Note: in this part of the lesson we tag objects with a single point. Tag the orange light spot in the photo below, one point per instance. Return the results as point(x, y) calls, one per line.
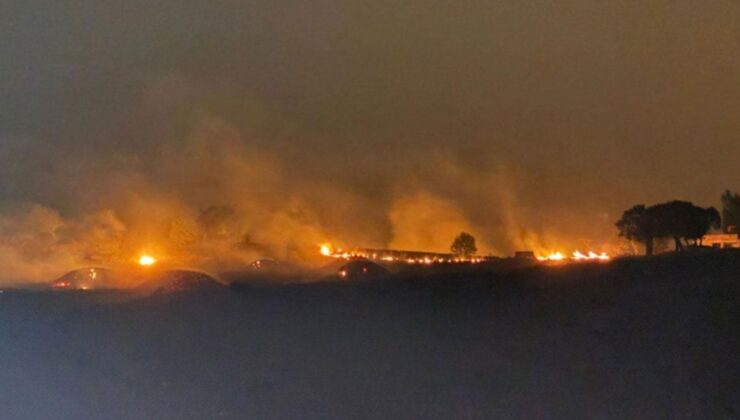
point(327, 250)
point(147, 260)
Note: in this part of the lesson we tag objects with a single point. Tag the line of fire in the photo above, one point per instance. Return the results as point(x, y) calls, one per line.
point(655, 227)
point(421, 257)
point(680, 223)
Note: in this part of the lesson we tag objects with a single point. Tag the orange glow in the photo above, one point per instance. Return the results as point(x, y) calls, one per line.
point(326, 250)
point(591, 256)
point(576, 256)
point(147, 260)
point(555, 256)
point(61, 285)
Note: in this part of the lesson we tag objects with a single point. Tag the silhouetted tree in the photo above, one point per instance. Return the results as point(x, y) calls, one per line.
point(683, 221)
point(464, 245)
point(636, 225)
point(702, 221)
point(670, 220)
point(679, 220)
point(730, 211)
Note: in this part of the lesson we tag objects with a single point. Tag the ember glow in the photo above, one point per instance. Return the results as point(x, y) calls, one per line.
point(576, 256)
point(555, 256)
point(62, 285)
point(147, 260)
point(326, 250)
point(591, 256)
point(397, 256)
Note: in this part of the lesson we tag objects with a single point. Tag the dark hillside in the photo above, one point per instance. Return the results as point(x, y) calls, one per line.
point(642, 338)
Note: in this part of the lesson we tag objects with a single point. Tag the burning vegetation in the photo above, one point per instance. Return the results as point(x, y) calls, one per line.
point(397, 256)
point(575, 256)
point(147, 260)
point(210, 201)
point(428, 258)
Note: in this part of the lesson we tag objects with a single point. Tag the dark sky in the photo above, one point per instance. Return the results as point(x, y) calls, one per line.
point(510, 118)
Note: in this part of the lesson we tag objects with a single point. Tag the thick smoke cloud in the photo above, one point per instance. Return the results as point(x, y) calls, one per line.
point(215, 133)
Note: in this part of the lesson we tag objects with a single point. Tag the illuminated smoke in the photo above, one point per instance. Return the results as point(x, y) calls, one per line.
point(422, 221)
point(262, 129)
point(212, 201)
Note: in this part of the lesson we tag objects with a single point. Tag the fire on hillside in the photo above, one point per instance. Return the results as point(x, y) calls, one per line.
point(576, 256)
point(419, 257)
point(399, 256)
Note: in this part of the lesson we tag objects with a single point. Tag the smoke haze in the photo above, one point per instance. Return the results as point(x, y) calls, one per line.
point(216, 133)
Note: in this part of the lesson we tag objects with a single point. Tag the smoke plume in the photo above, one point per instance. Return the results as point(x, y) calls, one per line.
point(213, 133)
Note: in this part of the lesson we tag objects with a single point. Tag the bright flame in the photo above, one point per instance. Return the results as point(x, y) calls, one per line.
point(591, 256)
point(576, 256)
point(147, 260)
point(555, 256)
point(326, 250)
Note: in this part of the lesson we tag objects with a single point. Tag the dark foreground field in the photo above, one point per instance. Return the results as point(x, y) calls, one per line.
point(646, 339)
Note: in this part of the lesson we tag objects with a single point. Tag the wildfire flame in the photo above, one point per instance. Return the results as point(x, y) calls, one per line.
point(576, 256)
point(329, 250)
point(590, 256)
point(147, 260)
point(555, 256)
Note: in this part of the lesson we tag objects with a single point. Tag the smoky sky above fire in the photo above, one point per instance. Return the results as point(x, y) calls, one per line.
point(232, 130)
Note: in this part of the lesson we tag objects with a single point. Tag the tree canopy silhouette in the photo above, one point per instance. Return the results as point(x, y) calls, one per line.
point(730, 211)
point(464, 245)
point(681, 221)
point(637, 225)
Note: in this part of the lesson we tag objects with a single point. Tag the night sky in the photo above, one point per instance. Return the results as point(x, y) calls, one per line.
point(532, 124)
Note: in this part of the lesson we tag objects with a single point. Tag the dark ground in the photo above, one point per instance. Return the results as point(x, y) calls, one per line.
point(656, 338)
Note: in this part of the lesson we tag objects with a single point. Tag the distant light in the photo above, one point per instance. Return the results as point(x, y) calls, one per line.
point(146, 260)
